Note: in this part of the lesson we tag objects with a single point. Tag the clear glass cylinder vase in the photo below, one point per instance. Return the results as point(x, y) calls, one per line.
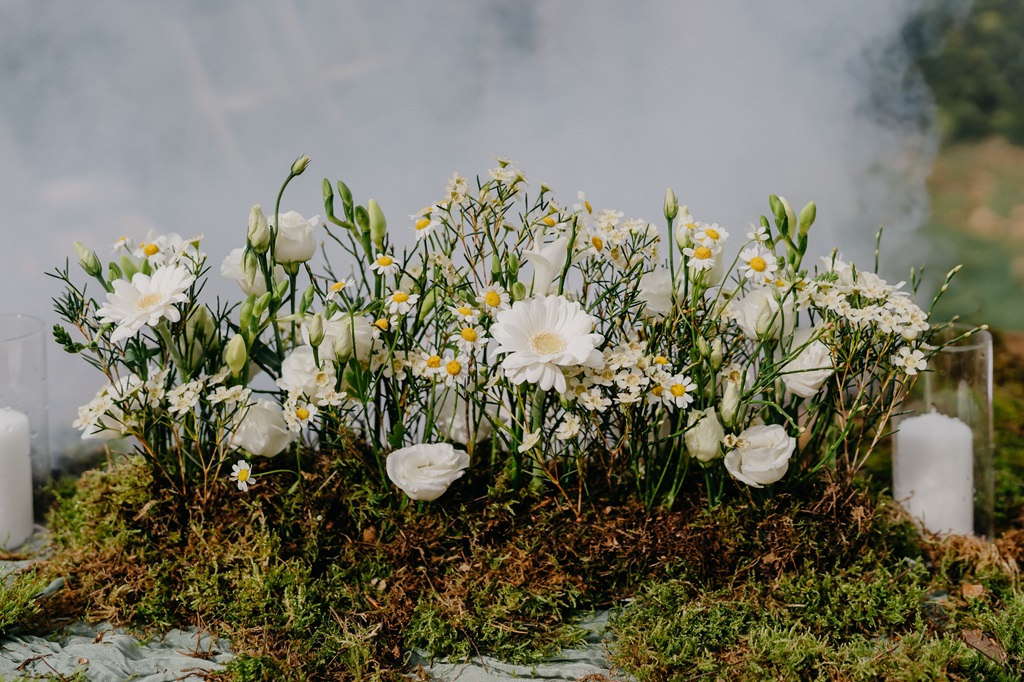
point(24, 406)
point(943, 473)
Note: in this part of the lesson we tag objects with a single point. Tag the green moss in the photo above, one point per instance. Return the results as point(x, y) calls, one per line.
point(18, 599)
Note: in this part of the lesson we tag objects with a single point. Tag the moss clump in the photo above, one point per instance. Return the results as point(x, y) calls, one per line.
point(18, 599)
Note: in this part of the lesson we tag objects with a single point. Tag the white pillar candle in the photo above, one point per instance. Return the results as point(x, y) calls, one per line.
point(15, 479)
point(933, 472)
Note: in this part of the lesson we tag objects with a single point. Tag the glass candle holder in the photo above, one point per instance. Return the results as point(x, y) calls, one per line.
point(24, 405)
point(942, 466)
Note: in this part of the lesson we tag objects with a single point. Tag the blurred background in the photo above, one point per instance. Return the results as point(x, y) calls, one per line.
point(120, 118)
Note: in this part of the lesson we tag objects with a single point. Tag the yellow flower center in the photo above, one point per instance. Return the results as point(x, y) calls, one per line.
point(547, 343)
point(702, 253)
point(422, 223)
point(660, 360)
point(434, 361)
point(385, 261)
point(243, 475)
point(597, 242)
point(678, 390)
point(467, 311)
point(338, 286)
point(123, 239)
point(147, 301)
point(658, 390)
point(382, 324)
point(691, 226)
point(302, 413)
point(492, 298)
point(713, 233)
point(150, 249)
point(399, 297)
point(549, 221)
point(453, 367)
point(758, 264)
point(469, 334)
point(780, 283)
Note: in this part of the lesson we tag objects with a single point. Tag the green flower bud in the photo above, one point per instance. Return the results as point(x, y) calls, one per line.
point(245, 313)
point(716, 354)
point(671, 205)
point(427, 304)
point(307, 299)
point(88, 260)
point(790, 214)
point(235, 355)
point(260, 306)
point(807, 215)
point(281, 289)
point(251, 268)
point(346, 199)
point(513, 266)
point(300, 165)
point(703, 348)
point(128, 267)
point(518, 291)
point(779, 211)
point(315, 326)
point(378, 225)
point(259, 230)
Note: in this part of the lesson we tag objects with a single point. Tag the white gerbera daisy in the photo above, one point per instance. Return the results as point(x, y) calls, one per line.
point(400, 303)
point(384, 265)
point(540, 336)
point(759, 264)
point(145, 300)
point(241, 473)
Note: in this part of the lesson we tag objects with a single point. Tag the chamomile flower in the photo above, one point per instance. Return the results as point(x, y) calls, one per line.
point(912, 361)
point(701, 257)
point(470, 339)
point(429, 364)
point(298, 415)
point(711, 236)
point(582, 204)
point(384, 265)
point(400, 302)
point(758, 264)
point(241, 473)
point(465, 313)
point(424, 226)
point(454, 369)
point(493, 298)
point(126, 243)
point(678, 390)
point(758, 233)
point(336, 288)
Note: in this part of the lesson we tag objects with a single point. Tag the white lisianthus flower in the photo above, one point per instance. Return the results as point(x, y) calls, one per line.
point(295, 241)
point(145, 300)
point(530, 441)
point(262, 431)
point(761, 456)
point(301, 376)
point(656, 292)
point(704, 437)
point(542, 335)
point(425, 471)
point(760, 314)
point(805, 374)
point(548, 263)
point(231, 268)
point(346, 334)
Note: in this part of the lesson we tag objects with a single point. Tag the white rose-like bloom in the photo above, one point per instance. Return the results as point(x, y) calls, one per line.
point(805, 374)
point(760, 314)
point(656, 292)
point(704, 437)
point(300, 375)
point(541, 335)
point(231, 268)
point(761, 456)
point(295, 242)
point(145, 300)
point(345, 333)
point(453, 416)
point(424, 471)
point(548, 263)
point(262, 431)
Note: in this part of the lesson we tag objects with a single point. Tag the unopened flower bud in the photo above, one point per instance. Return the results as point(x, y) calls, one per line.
point(235, 355)
point(260, 306)
point(245, 313)
point(250, 268)
point(807, 215)
point(300, 165)
point(346, 199)
point(378, 225)
point(88, 260)
point(703, 348)
point(518, 291)
point(790, 213)
point(315, 325)
point(128, 267)
point(307, 298)
point(671, 205)
point(115, 272)
point(259, 230)
point(427, 304)
point(281, 289)
point(716, 354)
point(730, 403)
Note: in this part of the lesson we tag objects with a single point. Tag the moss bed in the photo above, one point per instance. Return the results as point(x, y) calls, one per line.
point(328, 580)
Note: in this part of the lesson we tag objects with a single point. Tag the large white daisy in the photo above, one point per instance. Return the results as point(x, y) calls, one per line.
point(539, 336)
point(145, 300)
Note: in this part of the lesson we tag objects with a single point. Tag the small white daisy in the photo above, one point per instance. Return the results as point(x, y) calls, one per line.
point(454, 369)
point(465, 313)
point(470, 339)
point(701, 257)
point(493, 298)
point(429, 365)
point(711, 236)
point(424, 226)
point(757, 233)
point(339, 286)
point(400, 302)
point(384, 265)
point(241, 473)
point(759, 264)
point(678, 390)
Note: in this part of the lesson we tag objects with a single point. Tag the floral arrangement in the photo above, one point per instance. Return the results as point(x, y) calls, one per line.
point(502, 333)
